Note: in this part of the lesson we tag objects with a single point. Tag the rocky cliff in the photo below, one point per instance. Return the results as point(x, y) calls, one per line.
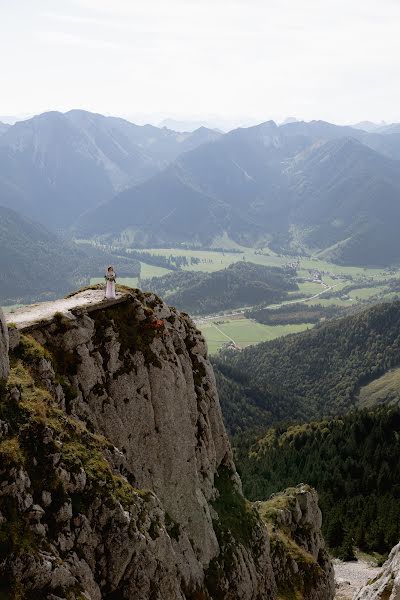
point(4, 363)
point(386, 585)
point(116, 474)
point(300, 562)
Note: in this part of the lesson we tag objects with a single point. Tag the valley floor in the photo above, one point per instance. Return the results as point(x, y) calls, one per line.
point(351, 576)
point(243, 332)
point(320, 283)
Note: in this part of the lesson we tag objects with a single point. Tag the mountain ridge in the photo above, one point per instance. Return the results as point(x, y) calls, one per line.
point(62, 164)
point(91, 175)
point(260, 176)
point(37, 264)
point(309, 375)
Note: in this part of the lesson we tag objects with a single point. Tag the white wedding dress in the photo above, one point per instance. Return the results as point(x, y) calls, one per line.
point(110, 286)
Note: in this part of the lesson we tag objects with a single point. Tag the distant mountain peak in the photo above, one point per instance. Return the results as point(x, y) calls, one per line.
point(368, 126)
point(265, 125)
point(289, 120)
point(55, 166)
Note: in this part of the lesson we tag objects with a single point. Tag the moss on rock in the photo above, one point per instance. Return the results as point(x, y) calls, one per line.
point(302, 567)
point(237, 517)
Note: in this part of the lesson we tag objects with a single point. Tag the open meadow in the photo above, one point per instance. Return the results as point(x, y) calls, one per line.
point(320, 282)
point(243, 332)
point(329, 290)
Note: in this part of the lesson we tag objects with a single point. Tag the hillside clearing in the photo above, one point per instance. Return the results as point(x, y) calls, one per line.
point(244, 332)
point(384, 389)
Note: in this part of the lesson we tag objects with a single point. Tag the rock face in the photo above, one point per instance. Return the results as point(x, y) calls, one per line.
point(4, 365)
point(301, 565)
point(116, 474)
point(386, 585)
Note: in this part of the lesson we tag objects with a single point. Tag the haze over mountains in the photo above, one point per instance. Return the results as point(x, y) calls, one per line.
point(263, 184)
point(55, 166)
point(299, 187)
point(3, 127)
point(37, 264)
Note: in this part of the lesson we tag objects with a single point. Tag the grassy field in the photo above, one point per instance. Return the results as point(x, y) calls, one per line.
point(213, 261)
point(244, 332)
point(384, 389)
point(331, 302)
point(209, 261)
point(309, 288)
point(367, 292)
point(149, 271)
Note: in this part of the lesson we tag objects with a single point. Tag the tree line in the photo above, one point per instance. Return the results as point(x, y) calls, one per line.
point(352, 461)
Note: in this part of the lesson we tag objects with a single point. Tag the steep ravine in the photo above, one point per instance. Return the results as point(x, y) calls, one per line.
point(116, 474)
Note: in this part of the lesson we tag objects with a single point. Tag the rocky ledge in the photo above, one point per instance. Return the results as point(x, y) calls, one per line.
point(386, 584)
point(116, 474)
point(300, 562)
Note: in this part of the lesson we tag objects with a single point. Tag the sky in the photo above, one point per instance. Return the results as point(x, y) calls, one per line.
point(243, 60)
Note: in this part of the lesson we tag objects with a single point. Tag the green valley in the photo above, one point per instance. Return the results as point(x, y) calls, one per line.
point(324, 289)
point(242, 332)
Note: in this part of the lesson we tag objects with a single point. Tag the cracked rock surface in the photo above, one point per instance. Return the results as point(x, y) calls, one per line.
point(116, 474)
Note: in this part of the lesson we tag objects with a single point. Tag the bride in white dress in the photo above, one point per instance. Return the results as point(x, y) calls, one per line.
point(110, 278)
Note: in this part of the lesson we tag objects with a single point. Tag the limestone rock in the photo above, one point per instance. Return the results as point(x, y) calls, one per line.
point(386, 585)
point(130, 472)
point(4, 363)
point(301, 565)
point(14, 337)
point(117, 470)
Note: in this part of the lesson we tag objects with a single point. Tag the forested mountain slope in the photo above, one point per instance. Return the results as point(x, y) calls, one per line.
point(353, 462)
point(37, 264)
point(299, 187)
point(241, 168)
point(241, 284)
point(326, 187)
point(311, 374)
point(348, 194)
point(165, 209)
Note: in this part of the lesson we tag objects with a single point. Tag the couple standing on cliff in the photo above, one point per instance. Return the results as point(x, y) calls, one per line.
point(110, 278)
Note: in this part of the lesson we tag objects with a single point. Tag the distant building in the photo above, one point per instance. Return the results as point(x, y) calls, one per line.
point(231, 346)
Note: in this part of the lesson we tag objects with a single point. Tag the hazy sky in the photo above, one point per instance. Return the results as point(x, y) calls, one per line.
point(337, 60)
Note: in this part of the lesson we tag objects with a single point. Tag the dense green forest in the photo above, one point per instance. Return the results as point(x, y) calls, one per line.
point(294, 313)
point(245, 406)
point(309, 375)
point(353, 462)
point(240, 284)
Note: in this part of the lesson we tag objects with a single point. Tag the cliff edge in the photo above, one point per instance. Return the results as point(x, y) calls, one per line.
point(116, 474)
point(301, 564)
point(4, 362)
point(386, 585)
